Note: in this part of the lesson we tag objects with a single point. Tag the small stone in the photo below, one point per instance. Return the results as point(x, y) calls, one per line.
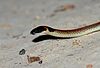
point(19, 63)
point(40, 62)
point(22, 52)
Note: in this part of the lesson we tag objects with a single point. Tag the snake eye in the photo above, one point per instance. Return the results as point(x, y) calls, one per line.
point(38, 29)
point(51, 29)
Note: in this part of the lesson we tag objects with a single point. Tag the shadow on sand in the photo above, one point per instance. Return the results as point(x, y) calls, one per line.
point(47, 37)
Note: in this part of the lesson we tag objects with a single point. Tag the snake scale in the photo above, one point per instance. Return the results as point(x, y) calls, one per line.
point(67, 33)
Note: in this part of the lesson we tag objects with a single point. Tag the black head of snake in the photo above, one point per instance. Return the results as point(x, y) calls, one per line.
point(40, 29)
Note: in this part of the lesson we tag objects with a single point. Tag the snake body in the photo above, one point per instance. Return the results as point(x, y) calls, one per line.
point(67, 33)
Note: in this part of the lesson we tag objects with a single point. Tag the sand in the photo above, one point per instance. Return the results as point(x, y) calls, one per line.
point(19, 17)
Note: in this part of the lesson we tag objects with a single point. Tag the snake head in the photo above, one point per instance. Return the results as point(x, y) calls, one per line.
point(40, 29)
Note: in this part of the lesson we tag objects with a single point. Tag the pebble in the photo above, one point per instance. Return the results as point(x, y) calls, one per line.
point(22, 52)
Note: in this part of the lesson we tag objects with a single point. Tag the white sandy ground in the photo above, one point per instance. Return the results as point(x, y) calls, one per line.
point(18, 18)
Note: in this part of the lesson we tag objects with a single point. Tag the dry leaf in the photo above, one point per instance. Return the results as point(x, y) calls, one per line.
point(33, 59)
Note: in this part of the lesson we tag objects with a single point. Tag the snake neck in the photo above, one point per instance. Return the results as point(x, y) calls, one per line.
point(74, 32)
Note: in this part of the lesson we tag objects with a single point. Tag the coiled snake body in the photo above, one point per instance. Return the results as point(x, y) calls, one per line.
point(67, 33)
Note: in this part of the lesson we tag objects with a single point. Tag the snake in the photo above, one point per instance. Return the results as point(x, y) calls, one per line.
point(70, 33)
